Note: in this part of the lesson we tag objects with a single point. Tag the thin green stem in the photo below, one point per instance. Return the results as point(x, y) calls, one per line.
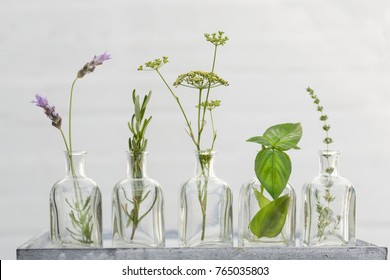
point(199, 121)
point(70, 114)
point(202, 196)
point(63, 137)
point(151, 207)
point(84, 218)
point(214, 59)
point(181, 108)
point(208, 91)
point(71, 167)
point(203, 203)
point(214, 131)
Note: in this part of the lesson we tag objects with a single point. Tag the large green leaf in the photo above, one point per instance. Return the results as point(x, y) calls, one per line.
point(261, 199)
point(261, 140)
point(270, 220)
point(273, 169)
point(284, 136)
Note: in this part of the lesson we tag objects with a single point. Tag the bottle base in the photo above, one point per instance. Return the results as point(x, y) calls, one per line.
point(261, 243)
point(329, 243)
point(137, 244)
point(61, 244)
point(207, 244)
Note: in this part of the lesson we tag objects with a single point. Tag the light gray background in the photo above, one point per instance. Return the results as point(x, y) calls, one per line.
point(276, 49)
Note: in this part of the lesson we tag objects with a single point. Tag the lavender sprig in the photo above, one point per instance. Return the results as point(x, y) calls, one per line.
point(82, 227)
point(50, 112)
point(89, 67)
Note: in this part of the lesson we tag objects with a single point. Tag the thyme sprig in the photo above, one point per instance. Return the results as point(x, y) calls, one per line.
point(325, 214)
point(326, 127)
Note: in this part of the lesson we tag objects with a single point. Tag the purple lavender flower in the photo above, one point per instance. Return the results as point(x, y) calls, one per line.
point(89, 67)
point(49, 110)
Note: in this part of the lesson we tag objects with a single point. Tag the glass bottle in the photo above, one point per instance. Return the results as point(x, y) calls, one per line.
point(329, 204)
point(137, 207)
point(75, 207)
point(249, 207)
point(205, 207)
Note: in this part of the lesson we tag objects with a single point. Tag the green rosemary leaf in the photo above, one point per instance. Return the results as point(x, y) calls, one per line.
point(144, 126)
point(86, 203)
point(133, 95)
point(137, 109)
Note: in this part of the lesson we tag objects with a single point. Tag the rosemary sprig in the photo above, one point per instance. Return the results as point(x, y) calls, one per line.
point(137, 146)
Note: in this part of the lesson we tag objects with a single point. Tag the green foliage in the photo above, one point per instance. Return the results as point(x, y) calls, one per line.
point(133, 216)
point(81, 221)
point(325, 214)
point(282, 136)
point(273, 169)
point(272, 164)
point(138, 124)
point(261, 199)
point(137, 145)
point(270, 219)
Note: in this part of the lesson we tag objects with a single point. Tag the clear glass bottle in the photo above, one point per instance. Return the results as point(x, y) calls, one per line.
point(75, 207)
point(329, 203)
point(205, 207)
point(249, 207)
point(137, 207)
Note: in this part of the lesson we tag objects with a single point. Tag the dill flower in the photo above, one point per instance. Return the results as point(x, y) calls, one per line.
point(200, 80)
point(210, 105)
point(216, 39)
point(154, 64)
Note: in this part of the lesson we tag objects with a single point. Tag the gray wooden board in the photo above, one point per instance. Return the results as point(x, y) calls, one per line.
point(40, 248)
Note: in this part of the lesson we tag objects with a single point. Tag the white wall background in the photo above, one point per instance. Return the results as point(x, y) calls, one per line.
point(341, 48)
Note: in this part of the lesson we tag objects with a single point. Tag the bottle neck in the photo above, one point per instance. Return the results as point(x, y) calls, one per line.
point(329, 162)
point(136, 165)
point(75, 164)
point(204, 163)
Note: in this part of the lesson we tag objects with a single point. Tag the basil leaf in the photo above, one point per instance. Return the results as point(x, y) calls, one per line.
point(261, 199)
point(284, 136)
point(269, 221)
point(273, 169)
point(260, 140)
